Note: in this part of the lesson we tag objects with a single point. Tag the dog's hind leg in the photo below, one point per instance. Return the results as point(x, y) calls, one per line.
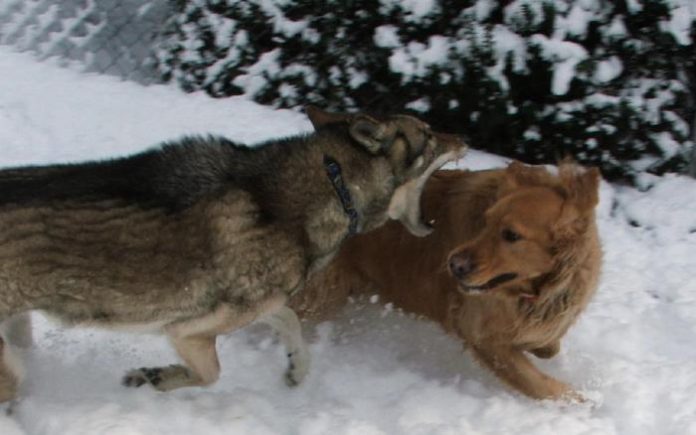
point(202, 366)
point(10, 373)
point(287, 325)
point(18, 330)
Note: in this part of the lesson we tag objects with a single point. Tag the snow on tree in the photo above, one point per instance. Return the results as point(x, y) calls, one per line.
point(608, 82)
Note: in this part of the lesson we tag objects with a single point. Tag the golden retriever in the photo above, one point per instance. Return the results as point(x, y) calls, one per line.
point(514, 258)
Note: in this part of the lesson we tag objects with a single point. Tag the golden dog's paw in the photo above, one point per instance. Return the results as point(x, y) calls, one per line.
point(561, 393)
point(573, 396)
point(586, 399)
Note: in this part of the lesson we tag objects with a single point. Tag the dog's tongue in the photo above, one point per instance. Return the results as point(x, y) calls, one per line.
point(405, 202)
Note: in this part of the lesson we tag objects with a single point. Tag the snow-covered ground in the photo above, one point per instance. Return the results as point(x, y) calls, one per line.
point(375, 370)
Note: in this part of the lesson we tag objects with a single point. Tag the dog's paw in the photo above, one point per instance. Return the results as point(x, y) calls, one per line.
point(139, 377)
point(585, 399)
point(161, 378)
point(291, 378)
point(577, 398)
point(298, 367)
point(8, 408)
point(573, 396)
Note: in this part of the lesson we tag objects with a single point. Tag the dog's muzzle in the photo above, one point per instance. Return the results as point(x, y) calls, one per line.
point(490, 285)
point(461, 266)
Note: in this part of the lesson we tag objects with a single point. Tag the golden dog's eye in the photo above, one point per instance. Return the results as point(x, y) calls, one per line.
point(510, 236)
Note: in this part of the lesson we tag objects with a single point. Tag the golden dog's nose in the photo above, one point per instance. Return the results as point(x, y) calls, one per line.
point(460, 265)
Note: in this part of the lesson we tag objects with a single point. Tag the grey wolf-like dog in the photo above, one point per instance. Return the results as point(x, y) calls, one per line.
point(203, 236)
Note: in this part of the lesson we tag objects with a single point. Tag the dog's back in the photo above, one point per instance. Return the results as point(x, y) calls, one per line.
point(173, 176)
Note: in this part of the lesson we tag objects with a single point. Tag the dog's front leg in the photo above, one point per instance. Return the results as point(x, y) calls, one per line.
point(194, 340)
point(10, 373)
point(202, 366)
point(548, 351)
point(18, 330)
point(287, 325)
point(514, 368)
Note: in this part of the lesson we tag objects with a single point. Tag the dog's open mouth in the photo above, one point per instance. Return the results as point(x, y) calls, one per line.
point(405, 202)
point(490, 285)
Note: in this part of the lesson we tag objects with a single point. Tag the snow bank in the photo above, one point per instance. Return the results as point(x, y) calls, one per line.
point(375, 370)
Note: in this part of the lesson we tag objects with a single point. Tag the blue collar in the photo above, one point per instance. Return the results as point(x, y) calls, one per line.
point(333, 171)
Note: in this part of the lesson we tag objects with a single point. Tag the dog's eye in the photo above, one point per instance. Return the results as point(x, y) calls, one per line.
point(510, 236)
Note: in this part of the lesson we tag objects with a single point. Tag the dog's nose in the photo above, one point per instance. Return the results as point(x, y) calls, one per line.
point(460, 265)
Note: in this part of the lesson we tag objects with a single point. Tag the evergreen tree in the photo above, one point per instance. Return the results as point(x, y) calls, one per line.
point(608, 82)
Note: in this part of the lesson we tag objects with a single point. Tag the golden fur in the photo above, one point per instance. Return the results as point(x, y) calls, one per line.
point(514, 258)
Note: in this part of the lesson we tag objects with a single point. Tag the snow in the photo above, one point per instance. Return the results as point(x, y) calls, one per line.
point(506, 43)
point(514, 11)
point(375, 370)
point(667, 143)
point(482, 9)
point(414, 10)
point(281, 24)
point(608, 69)
point(579, 17)
point(617, 28)
point(682, 13)
point(419, 105)
point(565, 55)
point(228, 35)
point(256, 77)
point(416, 59)
point(634, 6)
point(387, 36)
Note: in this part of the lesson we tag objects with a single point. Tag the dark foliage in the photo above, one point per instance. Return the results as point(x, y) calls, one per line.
point(607, 82)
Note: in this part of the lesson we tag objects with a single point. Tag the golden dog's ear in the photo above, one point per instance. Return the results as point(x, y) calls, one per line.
point(582, 190)
point(321, 118)
point(582, 185)
point(588, 188)
point(518, 174)
point(511, 173)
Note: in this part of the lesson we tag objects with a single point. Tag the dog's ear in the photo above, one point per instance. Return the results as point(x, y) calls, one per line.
point(588, 188)
point(582, 185)
point(582, 190)
point(370, 133)
point(321, 118)
point(518, 174)
point(513, 173)
point(413, 129)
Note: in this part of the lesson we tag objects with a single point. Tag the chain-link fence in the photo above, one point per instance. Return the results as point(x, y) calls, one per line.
point(107, 36)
